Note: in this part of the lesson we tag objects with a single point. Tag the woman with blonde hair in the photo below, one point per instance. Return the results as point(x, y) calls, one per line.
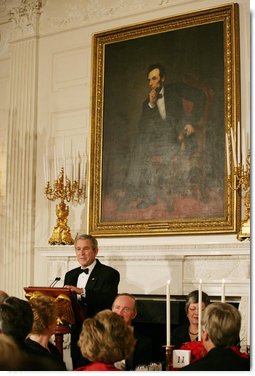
point(45, 316)
point(104, 340)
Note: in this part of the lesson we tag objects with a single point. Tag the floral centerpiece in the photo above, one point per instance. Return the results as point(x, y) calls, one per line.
point(198, 350)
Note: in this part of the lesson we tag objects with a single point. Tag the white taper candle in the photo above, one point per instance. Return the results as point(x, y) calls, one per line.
point(233, 147)
point(227, 151)
point(55, 163)
point(238, 143)
point(244, 152)
point(223, 291)
point(249, 318)
point(44, 169)
point(199, 309)
point(168, 313)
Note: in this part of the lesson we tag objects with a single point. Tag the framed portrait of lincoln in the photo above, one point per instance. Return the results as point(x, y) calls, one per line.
point(164, 94)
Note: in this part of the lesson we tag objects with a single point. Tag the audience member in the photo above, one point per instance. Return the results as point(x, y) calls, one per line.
point(16, 320)
point(125, 306)
point(220, 330)
point(104, 340)
point(3, 295)
point(45, 315)
point(11, 357)
point(189, 330)
point(94, 284)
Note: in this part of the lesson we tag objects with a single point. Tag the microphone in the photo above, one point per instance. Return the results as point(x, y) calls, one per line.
point(55, 281)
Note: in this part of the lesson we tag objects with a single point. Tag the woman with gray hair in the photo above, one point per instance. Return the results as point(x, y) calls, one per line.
point(221, 325)
point(189, 330)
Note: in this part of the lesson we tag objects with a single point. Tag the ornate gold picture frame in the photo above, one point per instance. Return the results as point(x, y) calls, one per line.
point(162, 170)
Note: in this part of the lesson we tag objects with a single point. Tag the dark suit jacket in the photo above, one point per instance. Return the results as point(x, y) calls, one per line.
point(178, 114)
point(219, 359)
point(142, 353)
point(101, 289)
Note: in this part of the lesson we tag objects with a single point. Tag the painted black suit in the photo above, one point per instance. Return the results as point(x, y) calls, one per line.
point(101, 289)
point(157, 142)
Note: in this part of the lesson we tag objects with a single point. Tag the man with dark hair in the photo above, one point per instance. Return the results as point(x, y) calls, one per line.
point(16, 319)
point(94, 284)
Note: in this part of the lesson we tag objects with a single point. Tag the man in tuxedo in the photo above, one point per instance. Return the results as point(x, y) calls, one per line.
point(94, 284)
point(221, 325)
point(125, 306)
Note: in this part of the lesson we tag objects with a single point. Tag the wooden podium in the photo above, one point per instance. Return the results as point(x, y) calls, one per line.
point(69, 310)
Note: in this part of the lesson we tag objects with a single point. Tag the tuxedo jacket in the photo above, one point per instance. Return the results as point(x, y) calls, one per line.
point(101, 288)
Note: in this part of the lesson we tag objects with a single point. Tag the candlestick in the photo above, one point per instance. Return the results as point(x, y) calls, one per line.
point(223, 291)
point(199, 309)
point(233, 147)
point(168, 323)
point(228, 160)
point(65, 190)
point(238, 143)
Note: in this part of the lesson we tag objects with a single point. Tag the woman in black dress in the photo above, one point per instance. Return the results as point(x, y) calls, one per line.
point(188, 331)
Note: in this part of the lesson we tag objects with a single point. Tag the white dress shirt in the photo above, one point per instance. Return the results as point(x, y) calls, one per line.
point(161, 104)
point(83, 279)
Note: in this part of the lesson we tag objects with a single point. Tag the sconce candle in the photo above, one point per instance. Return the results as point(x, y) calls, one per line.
point(228, 160)
point(244, 152)
point(233, 147)
point(238, 143)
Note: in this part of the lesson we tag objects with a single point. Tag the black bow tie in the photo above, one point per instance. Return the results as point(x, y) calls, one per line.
point(86, 271)
point(159, 95)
